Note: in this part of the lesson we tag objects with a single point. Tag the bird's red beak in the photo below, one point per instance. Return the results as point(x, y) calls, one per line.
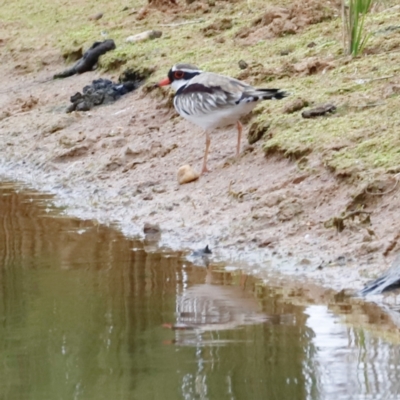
point(164, 82)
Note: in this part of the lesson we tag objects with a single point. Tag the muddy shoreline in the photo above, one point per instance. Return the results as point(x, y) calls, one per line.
point(117, 164)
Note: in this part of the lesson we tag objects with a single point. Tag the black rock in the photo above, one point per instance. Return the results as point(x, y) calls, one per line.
point(101, 91)
point(89, 60)
point(319, 111)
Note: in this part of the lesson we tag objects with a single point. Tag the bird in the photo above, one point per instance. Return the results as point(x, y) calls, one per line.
point(211, 100)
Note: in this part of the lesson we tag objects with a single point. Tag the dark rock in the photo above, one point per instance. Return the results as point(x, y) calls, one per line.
point(319, 111)
point(89, 60)
point(82, 106)
point(243, 64)
point(76, 97)
point(101, 91)
point(70, 108)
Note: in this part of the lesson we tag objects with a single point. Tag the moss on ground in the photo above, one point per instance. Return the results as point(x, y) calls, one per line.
point(365, 130)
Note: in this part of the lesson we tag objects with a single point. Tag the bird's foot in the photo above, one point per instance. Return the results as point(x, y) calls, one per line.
point(204, 170)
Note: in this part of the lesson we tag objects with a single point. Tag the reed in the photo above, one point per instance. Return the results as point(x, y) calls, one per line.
point(353, 15)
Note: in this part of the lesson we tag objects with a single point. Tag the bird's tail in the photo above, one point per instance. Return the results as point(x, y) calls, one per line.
point(262, 94)
point(277, 94)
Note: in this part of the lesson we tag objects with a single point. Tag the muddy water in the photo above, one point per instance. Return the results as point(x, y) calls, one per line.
point(88, 314)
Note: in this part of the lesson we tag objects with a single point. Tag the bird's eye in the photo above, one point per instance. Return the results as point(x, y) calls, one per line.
point(178, 74)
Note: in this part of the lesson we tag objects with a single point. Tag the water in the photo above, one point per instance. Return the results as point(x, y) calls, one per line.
point(88, 314)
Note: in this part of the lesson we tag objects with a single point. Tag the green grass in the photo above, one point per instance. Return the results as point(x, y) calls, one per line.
point(353, 25)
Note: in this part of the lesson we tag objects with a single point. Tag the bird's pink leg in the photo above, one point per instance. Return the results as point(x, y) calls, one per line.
point(208, 141)
point(239, 128)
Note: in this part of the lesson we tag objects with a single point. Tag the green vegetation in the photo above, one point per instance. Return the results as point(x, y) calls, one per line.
point(353, 25)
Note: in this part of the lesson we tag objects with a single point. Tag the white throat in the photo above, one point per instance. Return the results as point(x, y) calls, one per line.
point(178, 84)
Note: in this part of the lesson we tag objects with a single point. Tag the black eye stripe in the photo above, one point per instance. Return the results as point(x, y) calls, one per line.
point(173, 75)
point(189, 75)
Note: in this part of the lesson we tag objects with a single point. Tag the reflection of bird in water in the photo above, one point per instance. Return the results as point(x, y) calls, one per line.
point(211, 307)
point(201, 257)
point(203, 252)
point(152, 236)
point(390, 280)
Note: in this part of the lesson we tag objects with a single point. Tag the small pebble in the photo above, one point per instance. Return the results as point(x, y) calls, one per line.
point(96, 17)
point(147, 35)
point(243, 64)
point(186, 174)
point(319, 111)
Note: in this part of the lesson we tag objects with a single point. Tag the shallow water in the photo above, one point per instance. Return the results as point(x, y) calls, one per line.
point(88, 314)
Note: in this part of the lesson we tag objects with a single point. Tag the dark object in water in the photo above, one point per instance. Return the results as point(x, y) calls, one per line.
point(101, 91)
point(201, 257)
point(89, 60)
point(151, 229)
point(390, 280)
point(207, 250)
point(318, 111)
point(202, 253)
